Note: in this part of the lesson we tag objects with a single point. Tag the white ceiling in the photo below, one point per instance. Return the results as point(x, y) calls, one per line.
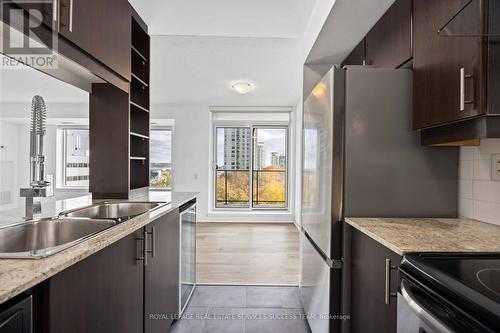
point(21, 83)
point(200, 70)
point(200, 47)
point(348, 22)
point(226, 18)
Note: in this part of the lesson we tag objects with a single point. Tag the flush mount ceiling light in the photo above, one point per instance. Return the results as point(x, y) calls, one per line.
point(242, 87)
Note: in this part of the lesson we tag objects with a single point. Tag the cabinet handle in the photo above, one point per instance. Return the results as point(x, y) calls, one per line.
point(388, 270)
point(54, 11)
point(144, 240)
point(463, 76)
point(153, 242)
point(71, 15)
point(153, 236)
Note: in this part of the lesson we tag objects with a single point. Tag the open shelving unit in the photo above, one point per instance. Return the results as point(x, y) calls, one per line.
point(139, 109)
point(119, 126)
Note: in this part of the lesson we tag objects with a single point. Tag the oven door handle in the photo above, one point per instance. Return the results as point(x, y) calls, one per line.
point(419, 310)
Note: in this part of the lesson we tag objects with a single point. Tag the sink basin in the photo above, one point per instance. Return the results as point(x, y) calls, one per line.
point(118, 211)
point(41, 238)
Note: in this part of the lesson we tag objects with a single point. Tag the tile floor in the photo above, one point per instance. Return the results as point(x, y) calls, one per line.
point(243, 309)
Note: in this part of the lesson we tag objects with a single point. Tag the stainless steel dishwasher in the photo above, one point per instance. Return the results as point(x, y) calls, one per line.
point(187, 220)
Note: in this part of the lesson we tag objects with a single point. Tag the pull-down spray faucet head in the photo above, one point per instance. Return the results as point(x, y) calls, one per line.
point(37, 132)
point(38, 184)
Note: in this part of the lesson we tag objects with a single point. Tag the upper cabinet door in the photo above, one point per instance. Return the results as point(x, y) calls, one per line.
point(101, 28)
point(448, 71)
point(357, 56)
point(389, 42)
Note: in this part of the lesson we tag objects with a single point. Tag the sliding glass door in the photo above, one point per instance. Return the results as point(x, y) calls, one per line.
point(251, 167)
point(233, 167)
point(269, 167)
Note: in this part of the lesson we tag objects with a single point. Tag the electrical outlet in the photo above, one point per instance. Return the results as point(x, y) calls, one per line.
point(495, 167)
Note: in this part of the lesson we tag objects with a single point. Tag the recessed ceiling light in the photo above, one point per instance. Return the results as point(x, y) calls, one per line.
point(243, 87)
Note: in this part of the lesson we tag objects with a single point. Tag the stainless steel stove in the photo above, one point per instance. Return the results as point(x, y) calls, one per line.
point(449, 292)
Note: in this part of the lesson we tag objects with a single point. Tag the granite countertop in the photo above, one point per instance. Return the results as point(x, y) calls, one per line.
point(18, 275)
point(406, 235)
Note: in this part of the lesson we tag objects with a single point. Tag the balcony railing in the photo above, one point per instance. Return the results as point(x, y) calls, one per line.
point(160, 178)
point(268, 189)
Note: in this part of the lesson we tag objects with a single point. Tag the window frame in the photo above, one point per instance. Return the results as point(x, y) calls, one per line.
point(163, 128)
point(62, 145)
point(251, 126)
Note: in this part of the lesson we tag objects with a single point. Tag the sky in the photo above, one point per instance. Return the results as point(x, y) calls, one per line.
point(161, 146)
point(274, 141)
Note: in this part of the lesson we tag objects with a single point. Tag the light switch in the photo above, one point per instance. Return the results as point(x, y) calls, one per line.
point(495, 167)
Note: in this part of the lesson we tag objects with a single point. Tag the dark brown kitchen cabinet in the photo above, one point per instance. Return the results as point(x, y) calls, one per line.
point(161, 273)
point(449, 78)
point(16, 315)
point(357, 56)
point(103, 293)
point(389, 42)
point(44, 9)
point(369, 309)
point(101, 28)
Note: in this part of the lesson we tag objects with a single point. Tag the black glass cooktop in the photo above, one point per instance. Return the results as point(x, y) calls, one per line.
point(471, 280)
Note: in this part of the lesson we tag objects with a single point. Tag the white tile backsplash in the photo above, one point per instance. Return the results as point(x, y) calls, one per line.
point(466, 170)
point(465, 187)
point(482, 170)
point(479, 195)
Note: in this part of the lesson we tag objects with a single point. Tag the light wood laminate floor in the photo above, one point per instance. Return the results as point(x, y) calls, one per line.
point(247, 253)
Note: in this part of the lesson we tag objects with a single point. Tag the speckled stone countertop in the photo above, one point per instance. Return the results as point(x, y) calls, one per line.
point(18, 275)
point(404, 235)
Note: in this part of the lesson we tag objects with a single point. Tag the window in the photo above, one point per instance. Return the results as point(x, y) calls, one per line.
point(161, 159)
point(251, 167)
point(75, 170)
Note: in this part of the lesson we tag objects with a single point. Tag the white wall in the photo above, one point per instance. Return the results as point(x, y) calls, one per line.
point(190, 151)
point(9, 162)
point(479, 195)
point(192, 162)
point(15, 139)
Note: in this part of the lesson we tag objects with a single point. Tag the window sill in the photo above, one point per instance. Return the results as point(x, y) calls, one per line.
point(74, 188)
point(267, 216)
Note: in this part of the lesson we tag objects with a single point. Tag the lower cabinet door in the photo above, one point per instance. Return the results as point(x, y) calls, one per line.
point(101, 294)
point(161, 273)
point(371, 308)
point(16, 317)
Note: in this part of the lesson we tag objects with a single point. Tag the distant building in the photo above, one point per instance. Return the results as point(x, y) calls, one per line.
point(278, 160)
point(282, 161)
point(259, 161)
point(236, 149)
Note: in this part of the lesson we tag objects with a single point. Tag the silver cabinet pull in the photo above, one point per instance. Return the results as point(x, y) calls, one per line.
point(71, 15)
point(153, 242)
point(144, 240)
point(388, 269)
point(153, 236)
point(463, 76)
point(54, 10)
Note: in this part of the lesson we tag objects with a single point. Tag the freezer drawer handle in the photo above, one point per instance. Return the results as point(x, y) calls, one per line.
point(388, 269)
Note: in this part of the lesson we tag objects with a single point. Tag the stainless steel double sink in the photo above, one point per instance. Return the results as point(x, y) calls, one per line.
point(41, 238)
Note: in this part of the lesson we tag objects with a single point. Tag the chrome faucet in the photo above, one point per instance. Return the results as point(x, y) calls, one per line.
point(38, 184)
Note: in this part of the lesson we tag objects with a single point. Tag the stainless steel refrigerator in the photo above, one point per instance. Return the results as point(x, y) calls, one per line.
point(361, 158)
